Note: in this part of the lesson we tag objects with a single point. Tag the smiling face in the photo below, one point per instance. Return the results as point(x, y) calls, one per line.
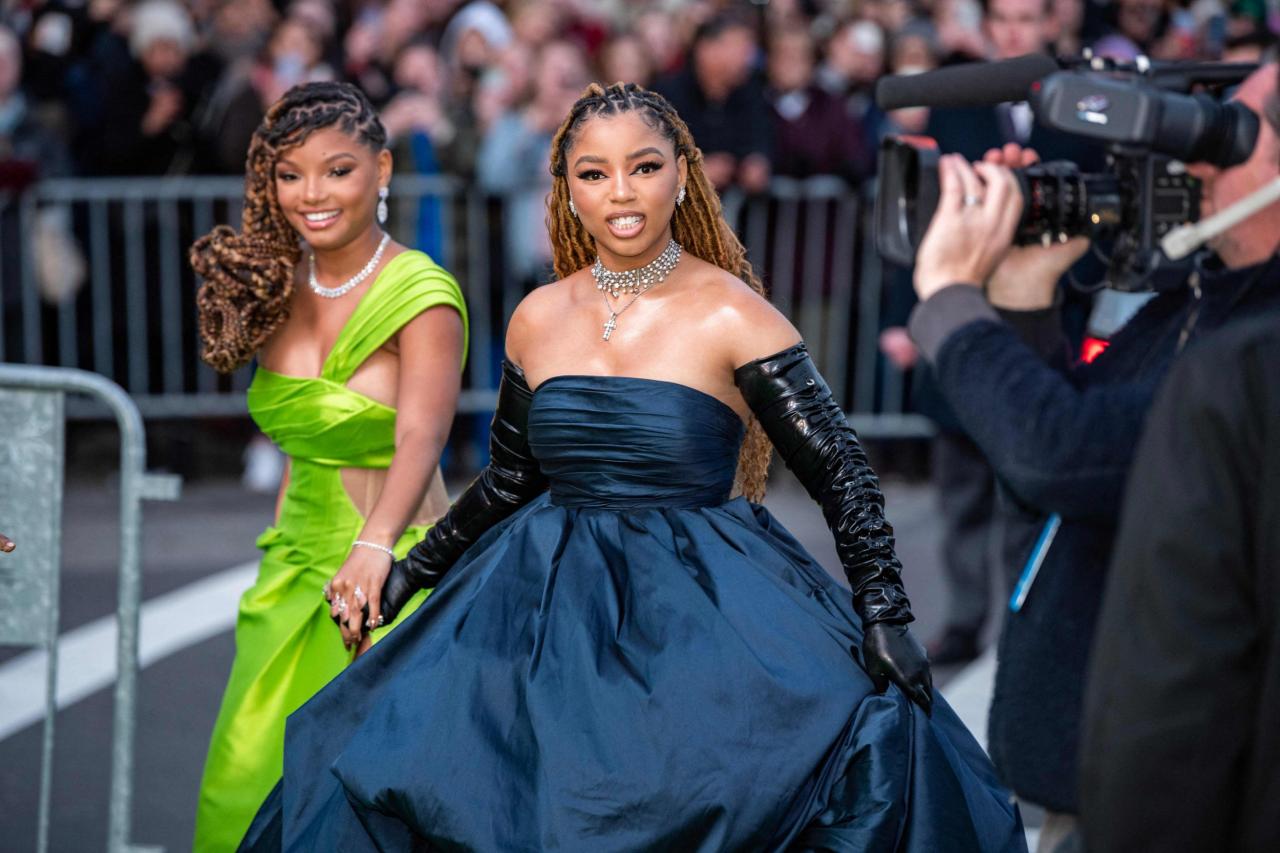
point(623, 178)
point(327, 187)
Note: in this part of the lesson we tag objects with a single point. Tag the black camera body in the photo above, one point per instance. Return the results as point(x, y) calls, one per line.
point(1149, 133)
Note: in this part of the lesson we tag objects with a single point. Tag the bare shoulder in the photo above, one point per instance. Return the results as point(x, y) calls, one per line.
point(743, 324)
point(536, 314)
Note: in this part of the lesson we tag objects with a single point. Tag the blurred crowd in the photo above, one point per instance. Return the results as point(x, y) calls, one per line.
point(474, 88)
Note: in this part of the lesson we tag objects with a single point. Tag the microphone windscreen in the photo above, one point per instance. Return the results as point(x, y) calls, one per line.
point(973, 84)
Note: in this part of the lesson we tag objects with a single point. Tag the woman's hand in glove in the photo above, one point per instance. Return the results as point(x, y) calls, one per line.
point(891, 653)
point(397, 589)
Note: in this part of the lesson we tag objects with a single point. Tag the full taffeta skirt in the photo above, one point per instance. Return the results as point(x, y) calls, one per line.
point(600, 678)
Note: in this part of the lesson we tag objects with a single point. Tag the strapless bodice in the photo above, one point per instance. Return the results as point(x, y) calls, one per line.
point(620, 441)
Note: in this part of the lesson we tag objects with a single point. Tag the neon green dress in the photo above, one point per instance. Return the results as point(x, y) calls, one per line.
point(287, 648)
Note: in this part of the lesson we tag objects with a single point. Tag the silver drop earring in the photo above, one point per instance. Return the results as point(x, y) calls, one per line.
point(680, 196)
point(383, 192)
point(573, 208)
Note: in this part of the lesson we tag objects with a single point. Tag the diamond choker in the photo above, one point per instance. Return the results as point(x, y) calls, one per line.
point(638, 280)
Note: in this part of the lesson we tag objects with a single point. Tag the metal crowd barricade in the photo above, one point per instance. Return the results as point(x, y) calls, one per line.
point(134, 319)
point(811, 241)
point(32, 415)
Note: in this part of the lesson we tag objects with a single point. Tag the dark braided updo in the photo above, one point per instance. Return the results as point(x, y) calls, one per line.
point(698, 224)
point(248, 277)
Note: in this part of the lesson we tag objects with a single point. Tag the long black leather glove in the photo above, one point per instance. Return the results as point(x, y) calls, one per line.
point(814, 439)
point(510, 480)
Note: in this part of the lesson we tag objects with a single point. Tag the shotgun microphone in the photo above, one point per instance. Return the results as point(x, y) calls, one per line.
point(972, 84)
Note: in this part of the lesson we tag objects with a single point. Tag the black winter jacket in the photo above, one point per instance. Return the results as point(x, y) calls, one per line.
point(1181, 748)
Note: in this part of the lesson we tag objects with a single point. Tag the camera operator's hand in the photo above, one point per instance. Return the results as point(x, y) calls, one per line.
point(971, 232)
point(1027, 278)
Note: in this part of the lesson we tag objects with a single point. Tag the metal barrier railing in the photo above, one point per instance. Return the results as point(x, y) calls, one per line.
point(31, 476)
point(134, 319)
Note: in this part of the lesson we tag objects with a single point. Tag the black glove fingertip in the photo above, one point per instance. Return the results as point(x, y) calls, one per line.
point(924, 700)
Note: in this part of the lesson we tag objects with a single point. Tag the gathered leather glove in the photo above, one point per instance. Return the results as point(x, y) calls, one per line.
point(813, 437)
point(510, 480)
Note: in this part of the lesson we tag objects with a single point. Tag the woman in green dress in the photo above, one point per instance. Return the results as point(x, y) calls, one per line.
point(360, 344)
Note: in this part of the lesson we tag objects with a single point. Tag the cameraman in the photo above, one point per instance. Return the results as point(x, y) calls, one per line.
point(1059, 434)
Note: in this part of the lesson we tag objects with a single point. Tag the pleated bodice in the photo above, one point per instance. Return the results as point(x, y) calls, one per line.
point(620, 442)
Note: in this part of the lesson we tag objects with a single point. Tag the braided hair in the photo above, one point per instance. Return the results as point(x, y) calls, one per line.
point(248, 277)
point(698, 224)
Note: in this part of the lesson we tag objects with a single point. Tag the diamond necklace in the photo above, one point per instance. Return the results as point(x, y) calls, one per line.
point(344, 288)
point(612, 322)
point(640, 279)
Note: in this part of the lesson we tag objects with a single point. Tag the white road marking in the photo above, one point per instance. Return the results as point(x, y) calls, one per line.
point(87, 655)
point(207, 607)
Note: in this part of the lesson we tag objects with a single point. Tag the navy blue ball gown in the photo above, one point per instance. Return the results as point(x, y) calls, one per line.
point(630, 662)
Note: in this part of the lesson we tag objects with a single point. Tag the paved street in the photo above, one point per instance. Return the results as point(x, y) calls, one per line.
point(198, 555)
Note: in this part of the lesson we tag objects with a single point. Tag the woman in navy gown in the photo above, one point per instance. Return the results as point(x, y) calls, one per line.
point(619, 654)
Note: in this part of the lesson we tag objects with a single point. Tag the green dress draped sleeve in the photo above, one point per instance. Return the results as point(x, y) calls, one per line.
point(287, 648)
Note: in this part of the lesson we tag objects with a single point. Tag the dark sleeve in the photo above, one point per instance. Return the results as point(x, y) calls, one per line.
point(1058, 447)
point(955, 306)
point(1171, 701)
point(935, 320)
point(1042, 331)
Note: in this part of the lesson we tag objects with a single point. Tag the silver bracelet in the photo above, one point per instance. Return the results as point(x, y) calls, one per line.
point(374, 545)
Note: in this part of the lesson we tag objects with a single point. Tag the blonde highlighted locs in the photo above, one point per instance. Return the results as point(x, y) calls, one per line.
point(247, 278)
point(698, 224)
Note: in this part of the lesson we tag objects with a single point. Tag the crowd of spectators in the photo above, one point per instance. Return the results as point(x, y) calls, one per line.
point(474, 88)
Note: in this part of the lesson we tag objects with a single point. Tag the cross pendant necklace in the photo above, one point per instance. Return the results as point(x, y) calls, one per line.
point(612, 322)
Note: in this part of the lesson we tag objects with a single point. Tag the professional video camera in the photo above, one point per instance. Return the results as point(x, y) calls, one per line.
point(1142, 112)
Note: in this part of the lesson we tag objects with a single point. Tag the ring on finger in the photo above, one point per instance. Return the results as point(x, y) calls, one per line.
point(971, 200)
point(342, 605)
point(359, 593)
